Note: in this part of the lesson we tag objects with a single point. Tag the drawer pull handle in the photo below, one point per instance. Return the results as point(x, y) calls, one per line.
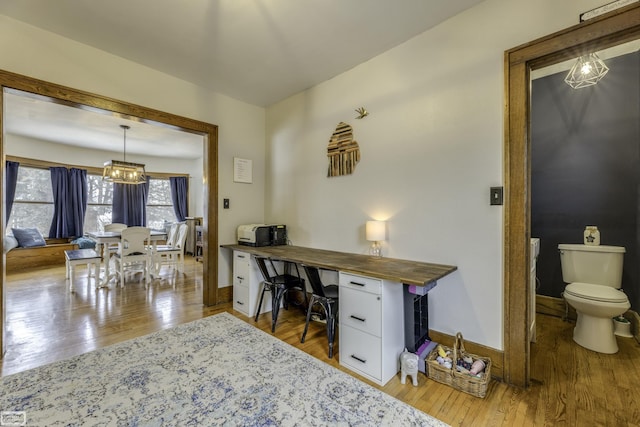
point(240, 302)
point(358, 359)
point(358, 318)
point(358, 284)
point(240, 256)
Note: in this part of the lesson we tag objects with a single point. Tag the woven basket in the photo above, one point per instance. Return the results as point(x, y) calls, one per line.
point(476, 386)
point(437, 372)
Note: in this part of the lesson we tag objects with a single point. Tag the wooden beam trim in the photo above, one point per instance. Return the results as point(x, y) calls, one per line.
point(44, 164)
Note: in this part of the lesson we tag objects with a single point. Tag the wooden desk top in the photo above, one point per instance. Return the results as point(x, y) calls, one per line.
point(397, 270)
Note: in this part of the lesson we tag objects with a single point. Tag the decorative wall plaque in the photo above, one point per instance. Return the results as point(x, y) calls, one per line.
point(343, 152)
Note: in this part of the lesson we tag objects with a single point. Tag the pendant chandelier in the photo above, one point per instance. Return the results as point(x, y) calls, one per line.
point(123, 172)
point(587, 71)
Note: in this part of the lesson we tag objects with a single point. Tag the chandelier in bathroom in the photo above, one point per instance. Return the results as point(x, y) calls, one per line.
point(587, 71)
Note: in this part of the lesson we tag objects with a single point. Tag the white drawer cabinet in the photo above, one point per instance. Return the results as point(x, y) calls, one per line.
point(371, 326)
point(361, 310)
point(361, 352)
point(247, 285)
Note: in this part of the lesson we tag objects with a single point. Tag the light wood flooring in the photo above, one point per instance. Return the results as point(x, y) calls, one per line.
point(572, 386)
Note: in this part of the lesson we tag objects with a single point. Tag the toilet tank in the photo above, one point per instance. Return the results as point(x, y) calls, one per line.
point(600, 265)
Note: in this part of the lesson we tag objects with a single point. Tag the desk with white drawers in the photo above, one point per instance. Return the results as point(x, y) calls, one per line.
point(371, 312)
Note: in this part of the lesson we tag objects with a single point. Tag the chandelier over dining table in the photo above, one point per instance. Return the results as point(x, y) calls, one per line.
point(123, 172)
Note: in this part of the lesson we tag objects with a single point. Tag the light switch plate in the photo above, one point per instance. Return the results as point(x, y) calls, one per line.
point(496, 195)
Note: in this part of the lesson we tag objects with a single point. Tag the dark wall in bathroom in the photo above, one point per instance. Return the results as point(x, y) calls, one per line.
point(585, 168)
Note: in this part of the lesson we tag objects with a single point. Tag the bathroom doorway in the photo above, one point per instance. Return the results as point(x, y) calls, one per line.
point(585, 164)
point(615, 28)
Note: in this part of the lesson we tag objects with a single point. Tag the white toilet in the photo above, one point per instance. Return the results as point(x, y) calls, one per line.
point(594, 277)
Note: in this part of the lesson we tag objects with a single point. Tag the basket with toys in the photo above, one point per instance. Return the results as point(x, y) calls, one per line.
point(456, 367)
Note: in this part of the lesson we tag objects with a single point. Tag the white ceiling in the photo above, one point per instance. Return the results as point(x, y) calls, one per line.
point(257, 51)
point(33, 117)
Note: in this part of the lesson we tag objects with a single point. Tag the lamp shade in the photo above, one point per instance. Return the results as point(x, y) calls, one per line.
point(375, 231)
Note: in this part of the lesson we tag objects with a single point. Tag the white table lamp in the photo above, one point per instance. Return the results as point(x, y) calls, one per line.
point(375, 232)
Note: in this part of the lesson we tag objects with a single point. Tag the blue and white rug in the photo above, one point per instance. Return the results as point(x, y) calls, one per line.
point(215, 371)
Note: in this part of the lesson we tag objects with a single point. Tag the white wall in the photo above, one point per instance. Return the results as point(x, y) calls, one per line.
point(430, 150)
point(30, 51)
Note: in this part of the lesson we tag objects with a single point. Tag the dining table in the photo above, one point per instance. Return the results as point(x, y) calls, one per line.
point(104, 238)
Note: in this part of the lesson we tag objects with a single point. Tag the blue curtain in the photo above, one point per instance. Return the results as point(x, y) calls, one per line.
point(60, 186)
point(79, 199)
point(130, 204)
point(11, 179)
point(179, 189)
point(69, 202)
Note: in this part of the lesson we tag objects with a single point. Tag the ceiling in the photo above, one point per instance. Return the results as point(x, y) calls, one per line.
point(256, 51)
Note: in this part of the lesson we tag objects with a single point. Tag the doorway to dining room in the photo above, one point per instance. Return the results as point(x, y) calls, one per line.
point(208, 132)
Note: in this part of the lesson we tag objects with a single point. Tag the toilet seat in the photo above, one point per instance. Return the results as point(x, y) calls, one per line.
point(596, 292)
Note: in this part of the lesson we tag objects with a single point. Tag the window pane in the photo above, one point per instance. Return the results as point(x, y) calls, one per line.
point(159, 192)
point(99, 191)
point(96, 217)
point(158, 216)
point(99, 198)
point(34, 185)
point(159, 204)
point(30, 215)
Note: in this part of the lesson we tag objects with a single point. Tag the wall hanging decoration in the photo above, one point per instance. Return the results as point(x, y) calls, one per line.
point(362, 113)
point(343, 151)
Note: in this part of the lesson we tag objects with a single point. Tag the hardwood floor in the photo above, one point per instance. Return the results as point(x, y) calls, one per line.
point(572, 386)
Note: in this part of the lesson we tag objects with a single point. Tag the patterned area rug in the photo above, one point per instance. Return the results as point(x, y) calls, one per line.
point(215, 371)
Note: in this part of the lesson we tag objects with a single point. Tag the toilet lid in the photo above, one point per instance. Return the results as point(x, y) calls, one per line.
point(596, 292)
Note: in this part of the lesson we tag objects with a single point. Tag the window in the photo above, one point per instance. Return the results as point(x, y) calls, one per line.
point(159, 204)
point(99, 200)
point(99, 206)
point(33, 203)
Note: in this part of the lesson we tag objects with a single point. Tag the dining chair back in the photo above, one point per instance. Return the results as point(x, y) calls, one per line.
point(134, 253)
point(172, 254)
point(117, 227)
point(172, 234)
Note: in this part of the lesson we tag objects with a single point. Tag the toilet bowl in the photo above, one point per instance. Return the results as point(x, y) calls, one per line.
point(596, 306)
point(594, 277)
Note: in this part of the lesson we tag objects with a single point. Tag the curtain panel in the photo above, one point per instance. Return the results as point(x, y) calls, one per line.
point(69, 202)
point(11, 179)
point(130, 204)
point(179, 190)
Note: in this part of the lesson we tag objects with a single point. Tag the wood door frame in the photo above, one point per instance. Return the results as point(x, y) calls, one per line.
point(77, 98)
point(616, 27)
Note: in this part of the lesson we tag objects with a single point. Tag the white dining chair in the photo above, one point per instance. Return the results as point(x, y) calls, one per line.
point(172, 255)
point(117, 227)
point(134, 253)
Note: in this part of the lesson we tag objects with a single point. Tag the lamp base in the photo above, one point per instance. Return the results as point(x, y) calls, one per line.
point(375, 249)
